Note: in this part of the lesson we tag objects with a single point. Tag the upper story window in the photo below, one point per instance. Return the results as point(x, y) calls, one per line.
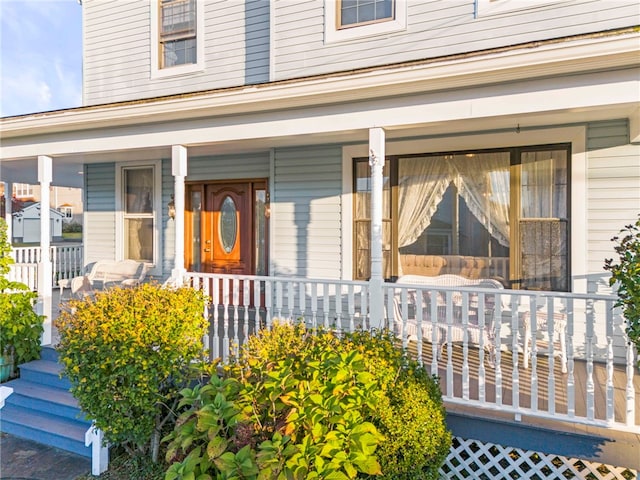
point(22, 190)
point(178, 32)
point(66, 210)
point(177, 37)
point(355, 19)
point(359, 12)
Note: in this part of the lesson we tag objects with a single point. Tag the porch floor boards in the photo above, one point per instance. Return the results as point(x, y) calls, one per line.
point(524, 381)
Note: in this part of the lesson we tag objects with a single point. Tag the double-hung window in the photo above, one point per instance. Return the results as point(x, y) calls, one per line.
point(138, 213)
point(360, 12)
point(500, 214)
point(347, 20)
point(178, 33)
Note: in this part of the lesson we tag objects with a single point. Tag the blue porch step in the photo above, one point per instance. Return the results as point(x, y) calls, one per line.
point(42, 409)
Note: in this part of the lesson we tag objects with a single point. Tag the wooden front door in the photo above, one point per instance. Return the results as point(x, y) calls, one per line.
point(226, 227)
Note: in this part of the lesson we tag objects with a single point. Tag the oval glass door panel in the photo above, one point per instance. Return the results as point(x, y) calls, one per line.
point(228, 227)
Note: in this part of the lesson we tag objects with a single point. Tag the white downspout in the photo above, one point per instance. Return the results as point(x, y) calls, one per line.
point(179, 172)
point(45, 280)
point(376, 161)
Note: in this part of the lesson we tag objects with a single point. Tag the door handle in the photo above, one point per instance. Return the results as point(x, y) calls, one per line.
point(207, 249)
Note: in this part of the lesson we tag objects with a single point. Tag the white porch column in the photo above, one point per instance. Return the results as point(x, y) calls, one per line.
point(45, 286)
point(179, 172)
point(8, 196)
point(376, 161)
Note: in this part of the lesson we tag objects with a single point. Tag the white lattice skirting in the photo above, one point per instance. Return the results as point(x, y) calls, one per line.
point(471, 459)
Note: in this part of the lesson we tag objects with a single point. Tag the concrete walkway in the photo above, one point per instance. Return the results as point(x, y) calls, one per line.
point(25, 460)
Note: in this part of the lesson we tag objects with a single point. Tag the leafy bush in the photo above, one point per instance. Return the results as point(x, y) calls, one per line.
point(20, 325)
point(72, 227)
point(299, 404)
point(128, 353)
point(626, 276)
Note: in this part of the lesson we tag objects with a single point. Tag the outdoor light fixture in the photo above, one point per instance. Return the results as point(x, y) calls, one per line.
point(171, 208)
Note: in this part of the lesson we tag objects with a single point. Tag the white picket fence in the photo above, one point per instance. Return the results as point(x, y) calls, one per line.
point(67, 262)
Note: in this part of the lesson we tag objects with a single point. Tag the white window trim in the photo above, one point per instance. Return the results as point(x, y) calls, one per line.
point(576, 136)
point(332, 34)
point(497, 7)
point(156, 71)
point(155, 267)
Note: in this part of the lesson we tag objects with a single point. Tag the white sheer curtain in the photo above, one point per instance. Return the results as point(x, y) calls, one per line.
point(483, 183)
point(544, 184)
point(422, 182)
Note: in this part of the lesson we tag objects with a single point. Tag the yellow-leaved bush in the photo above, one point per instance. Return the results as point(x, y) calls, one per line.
point(303, 404)
point(128, 352)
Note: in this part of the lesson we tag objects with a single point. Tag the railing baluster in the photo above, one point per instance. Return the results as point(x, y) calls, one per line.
point(268, 300)
point(449, 315)
point(302, 300)
point(498, 354)
point(590, 391)
point(515, 373)
point(481, 347)
point(351, 309)
point(630, 410)
point(226, 301)
point(436, 333)
point(314, 305)
point(419, 320)
point(291, 301)
point(404, 315)
point(216, 317)
point(533, 329)
point(326, 307)
point(338, 295)
point(279, 299)
point(246, 302)
point(551, 377)
point(364, 307)
point(465, 345)
point(571, 388)
point(609, 387)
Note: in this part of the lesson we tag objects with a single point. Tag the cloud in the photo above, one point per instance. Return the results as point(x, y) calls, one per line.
point(40, 55)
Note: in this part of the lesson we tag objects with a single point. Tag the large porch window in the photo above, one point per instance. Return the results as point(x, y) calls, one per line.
point(499, 214)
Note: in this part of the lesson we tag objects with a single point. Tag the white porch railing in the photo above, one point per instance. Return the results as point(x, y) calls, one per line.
point(67, 262)
point(597, 388)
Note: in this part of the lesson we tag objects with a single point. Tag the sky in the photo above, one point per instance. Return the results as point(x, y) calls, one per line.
point(40, 56)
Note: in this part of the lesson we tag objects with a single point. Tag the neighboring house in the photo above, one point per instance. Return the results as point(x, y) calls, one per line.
point(348, 141)
point(26, 224)
point(66, 200)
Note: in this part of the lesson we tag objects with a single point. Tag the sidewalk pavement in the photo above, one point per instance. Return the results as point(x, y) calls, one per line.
point(26, 460)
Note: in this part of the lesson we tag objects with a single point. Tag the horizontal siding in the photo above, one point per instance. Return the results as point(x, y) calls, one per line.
point(434, 28)
point(117, 50)
point(99, 216)
point(613, 193)
point(227, 167)
point(306, 205)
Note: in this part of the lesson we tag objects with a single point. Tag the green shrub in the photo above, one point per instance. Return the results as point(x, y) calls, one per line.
point(20, 326)
point(626, 276)
point(72, 227)
point(128, 353)
point(299, 404)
